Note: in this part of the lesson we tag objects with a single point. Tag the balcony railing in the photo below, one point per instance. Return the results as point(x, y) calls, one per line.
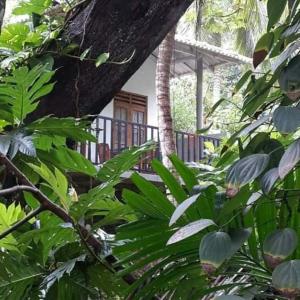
point(114, 135)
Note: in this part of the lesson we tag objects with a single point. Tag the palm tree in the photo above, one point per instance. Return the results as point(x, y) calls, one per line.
point(165, 122)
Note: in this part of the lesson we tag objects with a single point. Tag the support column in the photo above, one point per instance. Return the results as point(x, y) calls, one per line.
point(199, 92)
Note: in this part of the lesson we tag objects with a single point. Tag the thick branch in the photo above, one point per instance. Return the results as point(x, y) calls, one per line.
point(28, 217)
point(120, 28)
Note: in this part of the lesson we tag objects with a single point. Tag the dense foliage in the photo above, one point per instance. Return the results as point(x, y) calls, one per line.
point(240, 218)
point(226, 231)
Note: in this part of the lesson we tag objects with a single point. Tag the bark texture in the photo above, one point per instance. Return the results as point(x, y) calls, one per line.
point(165, 122)
point(115, 26)
point(2, 12)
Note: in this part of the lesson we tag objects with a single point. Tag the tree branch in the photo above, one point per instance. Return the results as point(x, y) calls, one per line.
point(18, 188)
point(28, 217)
point(47, 204)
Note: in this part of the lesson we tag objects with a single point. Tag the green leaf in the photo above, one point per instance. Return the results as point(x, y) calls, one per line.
point(215, 107)
point(69, 160)
point(269, 179)
point(204, 129)
point(65, 127)
point(185, 172)
point(142, 205)
point(101, 59)
point(18, 278)
point(5, 141)
point(182, 207)
point(65, 268)
point(289, 77)
point(242, 81)
point(254, 125)
point(85, 53)
point(57, 182)
point(229, 297)
point(23, 88)
point(169, 180)
point(263, 48)
point(289, 159)
point(275, 11)
point(21, 143)
point(8, 216)
point(154, 195)
point(33, 6)
point(286, 119)
point(190, 230)
point(247, 169)
point(238, 238)
point(115, 167)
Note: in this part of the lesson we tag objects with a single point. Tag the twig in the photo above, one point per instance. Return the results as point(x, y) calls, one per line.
point(28, 217)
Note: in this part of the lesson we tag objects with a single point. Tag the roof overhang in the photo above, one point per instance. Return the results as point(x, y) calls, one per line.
point(186, 51)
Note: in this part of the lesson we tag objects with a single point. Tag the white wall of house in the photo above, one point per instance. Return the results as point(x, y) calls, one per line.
point(143, 83)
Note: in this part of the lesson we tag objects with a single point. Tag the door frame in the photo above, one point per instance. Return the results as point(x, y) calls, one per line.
point(131, 104)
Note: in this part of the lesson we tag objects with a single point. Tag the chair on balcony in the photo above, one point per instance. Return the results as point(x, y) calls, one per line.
point(103, 152)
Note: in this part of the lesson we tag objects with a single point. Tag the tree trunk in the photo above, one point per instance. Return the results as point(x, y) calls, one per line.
point(291, 3)
point(2, 12)
point(165, 122)
point(115, 26)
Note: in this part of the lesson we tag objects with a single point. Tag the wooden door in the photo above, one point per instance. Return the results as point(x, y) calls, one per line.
point(130, 114)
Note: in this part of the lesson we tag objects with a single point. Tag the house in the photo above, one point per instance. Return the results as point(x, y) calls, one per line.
point(131, 117)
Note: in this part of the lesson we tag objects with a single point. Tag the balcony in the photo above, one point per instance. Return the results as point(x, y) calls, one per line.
point(114, 135)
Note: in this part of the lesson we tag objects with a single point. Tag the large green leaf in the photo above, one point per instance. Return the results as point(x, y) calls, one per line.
point(275, 10)
point(247, 169)
point(65, 127)
point(286, 119)
point(64, 268)
point(30, 7)
point(190, 230)
point(289, 159)
point(154, 195)
point(56, 181)
point(182, 207)
point(115, 167)
point(17, 277)
point(23, 88)
point(8, 216)
point(263, 47)
point(242, 81)
point(68, 160)
point(269, 179)
point(185, 172)
point(170, 181)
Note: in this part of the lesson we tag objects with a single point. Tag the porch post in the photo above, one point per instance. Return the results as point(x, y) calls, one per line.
point(199, 92)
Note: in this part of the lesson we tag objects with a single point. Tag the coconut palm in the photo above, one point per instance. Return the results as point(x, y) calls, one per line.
point(163, 71)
